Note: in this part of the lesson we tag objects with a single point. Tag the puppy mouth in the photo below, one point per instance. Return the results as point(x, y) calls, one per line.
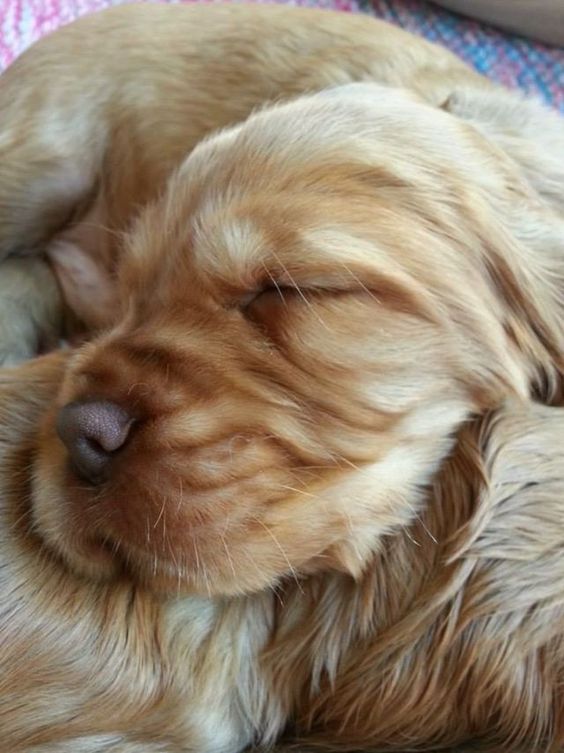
point(169, 537)
point(93, 556)
point(202, 566)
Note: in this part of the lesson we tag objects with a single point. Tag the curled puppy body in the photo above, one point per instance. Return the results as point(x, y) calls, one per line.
point(311, 317)
point(453, 631)
point(316, 304)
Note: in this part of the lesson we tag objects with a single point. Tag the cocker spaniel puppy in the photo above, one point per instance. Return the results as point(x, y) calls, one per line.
point(293, 467)
point(320, 299)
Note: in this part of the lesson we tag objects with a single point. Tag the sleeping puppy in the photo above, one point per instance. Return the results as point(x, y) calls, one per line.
point(299, 328)
point(322, 296)
point(453, 631)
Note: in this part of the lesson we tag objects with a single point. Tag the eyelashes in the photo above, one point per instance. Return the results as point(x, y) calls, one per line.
point(274, 293)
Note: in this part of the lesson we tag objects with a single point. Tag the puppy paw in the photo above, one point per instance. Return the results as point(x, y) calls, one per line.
point(31, 310)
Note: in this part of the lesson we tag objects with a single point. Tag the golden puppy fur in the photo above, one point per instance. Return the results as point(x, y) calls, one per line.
point(314, 523)
point(453, 631)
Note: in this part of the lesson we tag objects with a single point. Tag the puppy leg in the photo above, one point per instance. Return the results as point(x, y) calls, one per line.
point(48, 154)
point(50, 147)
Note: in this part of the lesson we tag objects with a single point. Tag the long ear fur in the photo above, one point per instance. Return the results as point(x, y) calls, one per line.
point(456, 630)
point(529, 260)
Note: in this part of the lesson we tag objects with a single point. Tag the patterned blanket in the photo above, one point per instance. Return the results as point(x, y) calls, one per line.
point(513, 61)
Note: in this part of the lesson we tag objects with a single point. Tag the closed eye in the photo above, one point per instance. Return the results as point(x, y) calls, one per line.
point(270, 293)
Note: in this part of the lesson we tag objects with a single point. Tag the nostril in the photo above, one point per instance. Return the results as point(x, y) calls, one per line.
point(93, 431)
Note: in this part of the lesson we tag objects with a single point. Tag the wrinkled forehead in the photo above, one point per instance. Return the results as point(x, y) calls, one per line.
point(298, 192)
point(299, 171)
point(245, 250)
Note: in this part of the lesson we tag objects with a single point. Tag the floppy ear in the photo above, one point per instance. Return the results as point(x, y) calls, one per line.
point(530, 134)
point(527, 255)
point(88, 287)
point(467, 596)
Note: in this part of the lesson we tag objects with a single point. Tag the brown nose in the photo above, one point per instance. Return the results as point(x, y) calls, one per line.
point(93, 432)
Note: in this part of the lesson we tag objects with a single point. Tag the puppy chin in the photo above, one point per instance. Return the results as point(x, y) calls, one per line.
point(85, 553)
point(96, 557)
point(163, 578)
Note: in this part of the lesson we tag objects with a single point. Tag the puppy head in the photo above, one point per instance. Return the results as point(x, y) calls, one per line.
point(307, 315)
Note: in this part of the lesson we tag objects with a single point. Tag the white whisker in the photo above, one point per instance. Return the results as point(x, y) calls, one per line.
point(283, 552)
point(277, 286)
point(161, 513)
point(362, 285)
point(180, 495)
point(224, 542)
point(300, 292)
